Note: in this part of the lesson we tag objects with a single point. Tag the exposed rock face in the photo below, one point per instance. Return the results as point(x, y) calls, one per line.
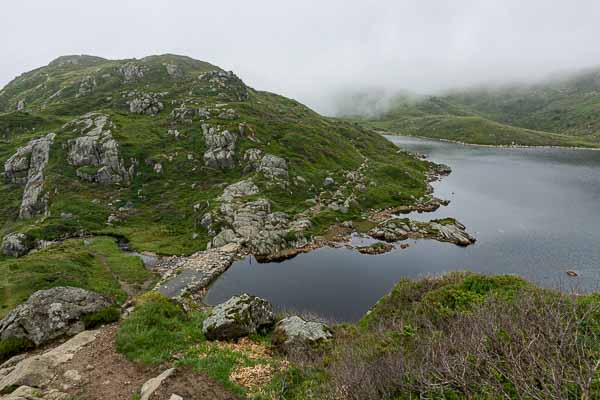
point(220, 145)
point(273, 167)
point(226, 85)
point(132, 72)
point(229, 114)
point(38, 370)
point(174, 70)
point(239, 316)
point(252, 158)
point(146, 103)
point(294, 331)
point(20, 105)
point(86, 86)
point(96, 152)
point(261, 231)
point(239, 189)
point(16, 244)
point(26, 167)
point(50, 314)
point(446, 230)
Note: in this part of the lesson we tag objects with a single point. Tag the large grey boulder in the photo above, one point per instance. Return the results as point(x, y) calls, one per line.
point(16, 244)
point(50, 314)
point(220, 146)
point(146, 103)
point(86, 86)
point(95, 151)
point(294, 331)
point(239, 189)
point(20, 105)
point(237, 317)
point(273, 167)
point(26, 167)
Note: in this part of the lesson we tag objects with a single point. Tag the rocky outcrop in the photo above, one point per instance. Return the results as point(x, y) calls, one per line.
point(237, 317)
point(252, 159)
point(96, 152)
point(220, 146)
point(27, 167)
point(444, 230)
point(39, 370)
point(86, 86)
point(146, 103)
point(174, 70)
point(229, 114)
point(261, 231)
point(225, 85)
point(16, 244)
point(273, 167)
point(295, 332)
point(50, 314)
point(132, 71)
point(20, 105)
point(239, 189)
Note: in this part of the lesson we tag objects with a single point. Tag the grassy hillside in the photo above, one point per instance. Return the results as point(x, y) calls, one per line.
point(161, 211)
point(562, 111)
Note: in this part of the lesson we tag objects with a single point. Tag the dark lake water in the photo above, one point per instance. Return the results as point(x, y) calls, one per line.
point(534, 212)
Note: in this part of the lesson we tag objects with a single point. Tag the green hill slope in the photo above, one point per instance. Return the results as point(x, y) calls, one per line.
point(559, 112)
point(143, 149)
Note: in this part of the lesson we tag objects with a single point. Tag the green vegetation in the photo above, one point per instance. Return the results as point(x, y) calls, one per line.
point(458, 336)
point(96, 264)
point(557, 112)
point(160, 214)
point(13, 346)
point(160, 331)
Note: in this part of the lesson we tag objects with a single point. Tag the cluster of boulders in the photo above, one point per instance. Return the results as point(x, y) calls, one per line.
point(245, 315)
point(188, 114)
point(253, 224)
point(26, 167)
point(132, 71)
point(226, 85)
point(446, 230)
point(145, 103)
point(342, 197)
point(95, 152)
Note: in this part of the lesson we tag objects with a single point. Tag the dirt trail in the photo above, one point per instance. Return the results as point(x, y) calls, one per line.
point(99, 372)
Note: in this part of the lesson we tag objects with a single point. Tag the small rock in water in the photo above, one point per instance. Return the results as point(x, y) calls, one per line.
point(572, 273)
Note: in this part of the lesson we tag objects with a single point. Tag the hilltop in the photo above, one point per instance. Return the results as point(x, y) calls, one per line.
point(562, 111)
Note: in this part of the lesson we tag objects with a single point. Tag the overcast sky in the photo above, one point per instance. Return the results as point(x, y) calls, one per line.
point(310, 50)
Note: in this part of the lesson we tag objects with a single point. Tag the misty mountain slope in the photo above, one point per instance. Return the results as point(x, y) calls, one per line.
point(560, 112)
point(143, 150)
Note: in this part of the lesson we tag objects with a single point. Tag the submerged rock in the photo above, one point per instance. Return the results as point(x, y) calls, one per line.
point(294, 331)
point(239, 316)
point(16, 244)
point(96, 152)
point(27, 167)
point(50, 314)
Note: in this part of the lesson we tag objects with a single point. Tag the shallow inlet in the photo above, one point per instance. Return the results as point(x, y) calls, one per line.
point(534, 212)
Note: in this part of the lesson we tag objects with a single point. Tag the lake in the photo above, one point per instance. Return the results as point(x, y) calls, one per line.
point(534, 212)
